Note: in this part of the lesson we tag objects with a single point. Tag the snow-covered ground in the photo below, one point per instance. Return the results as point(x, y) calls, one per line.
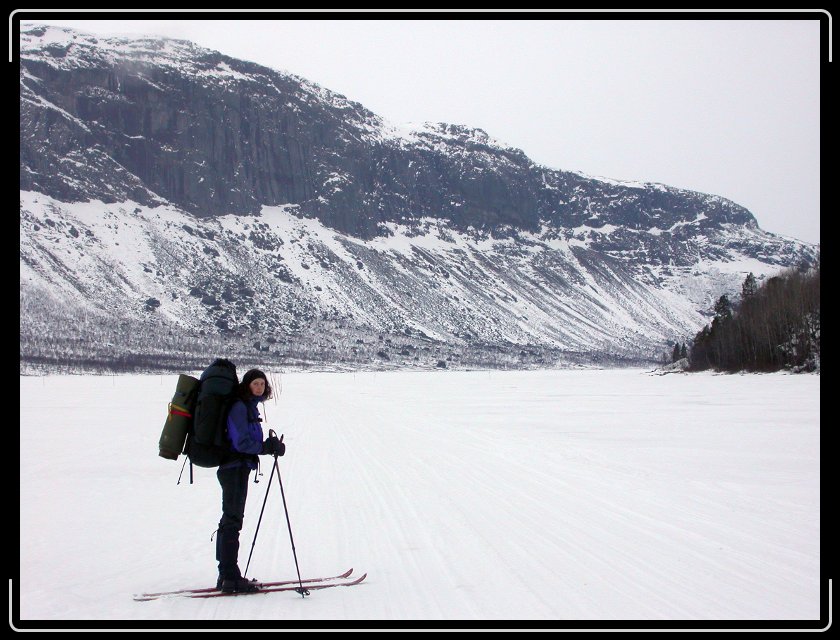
point(539, 495)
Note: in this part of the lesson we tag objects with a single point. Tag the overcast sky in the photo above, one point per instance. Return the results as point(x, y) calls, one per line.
point(718, 106)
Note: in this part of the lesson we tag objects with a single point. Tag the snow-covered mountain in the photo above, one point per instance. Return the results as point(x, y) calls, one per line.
point(177, 202)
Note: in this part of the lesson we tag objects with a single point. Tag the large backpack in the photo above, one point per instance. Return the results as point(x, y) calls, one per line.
point(197, 419)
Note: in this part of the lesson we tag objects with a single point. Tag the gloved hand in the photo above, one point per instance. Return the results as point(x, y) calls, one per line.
point(273, 446)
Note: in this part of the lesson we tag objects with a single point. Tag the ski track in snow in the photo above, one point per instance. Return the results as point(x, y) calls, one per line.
point(540, 495)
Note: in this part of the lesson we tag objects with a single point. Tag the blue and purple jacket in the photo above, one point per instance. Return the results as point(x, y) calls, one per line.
point(245, 431)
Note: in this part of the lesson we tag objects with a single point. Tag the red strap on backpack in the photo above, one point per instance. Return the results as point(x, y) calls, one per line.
point(178, 412)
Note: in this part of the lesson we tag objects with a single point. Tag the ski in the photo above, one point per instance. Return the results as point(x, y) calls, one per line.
point(184, 592)
point(295, 587)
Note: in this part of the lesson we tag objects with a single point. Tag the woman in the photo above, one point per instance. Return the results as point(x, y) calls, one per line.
point(246, 441)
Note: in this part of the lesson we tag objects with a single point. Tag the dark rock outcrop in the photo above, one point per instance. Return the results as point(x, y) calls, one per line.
point(153, 120)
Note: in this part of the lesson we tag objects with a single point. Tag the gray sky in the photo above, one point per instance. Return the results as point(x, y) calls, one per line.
point(724, 107)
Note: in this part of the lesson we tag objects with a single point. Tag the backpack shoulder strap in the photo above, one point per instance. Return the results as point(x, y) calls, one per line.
point(253, 413)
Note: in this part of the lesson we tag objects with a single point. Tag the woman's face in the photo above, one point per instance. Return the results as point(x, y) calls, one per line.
point(257, 386)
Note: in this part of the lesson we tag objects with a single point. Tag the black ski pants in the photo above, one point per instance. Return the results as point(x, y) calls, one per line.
point(234, 481)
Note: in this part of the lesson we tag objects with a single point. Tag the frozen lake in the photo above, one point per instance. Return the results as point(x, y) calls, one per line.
point(533, 495)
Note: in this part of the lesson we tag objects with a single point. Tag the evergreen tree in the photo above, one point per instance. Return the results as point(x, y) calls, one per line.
point(750, 287)
point(723, 308)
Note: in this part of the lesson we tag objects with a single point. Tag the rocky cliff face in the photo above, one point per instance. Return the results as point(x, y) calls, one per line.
point(150, 124)
point(165, 120)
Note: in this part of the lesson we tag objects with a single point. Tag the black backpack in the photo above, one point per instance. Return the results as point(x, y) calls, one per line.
point(207, 444)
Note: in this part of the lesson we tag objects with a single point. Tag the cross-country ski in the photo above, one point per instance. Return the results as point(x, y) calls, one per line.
point(177, 592)
point(261, 587)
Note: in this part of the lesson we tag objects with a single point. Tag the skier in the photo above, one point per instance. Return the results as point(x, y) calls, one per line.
point(246, 442)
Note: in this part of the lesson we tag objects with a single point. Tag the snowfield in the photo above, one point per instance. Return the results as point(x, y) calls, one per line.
point(484, 495)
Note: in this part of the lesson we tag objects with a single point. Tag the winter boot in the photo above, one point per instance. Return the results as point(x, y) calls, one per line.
point(227, 553)
point(238, 585)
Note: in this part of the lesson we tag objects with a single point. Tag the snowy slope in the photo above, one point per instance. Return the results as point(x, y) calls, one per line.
point(272, 275)
point(542, 495)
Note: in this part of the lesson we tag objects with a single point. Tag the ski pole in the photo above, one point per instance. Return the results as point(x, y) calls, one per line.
point(258, 524)
point(303, 592)
point(182, 471)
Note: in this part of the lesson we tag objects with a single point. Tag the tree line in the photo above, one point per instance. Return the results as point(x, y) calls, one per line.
point(774, 326)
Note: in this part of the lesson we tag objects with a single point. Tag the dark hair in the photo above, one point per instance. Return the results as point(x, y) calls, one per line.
point(244, 388)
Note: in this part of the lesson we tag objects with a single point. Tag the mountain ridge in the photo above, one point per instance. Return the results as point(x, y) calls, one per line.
point(346, 221)
point(339, 161)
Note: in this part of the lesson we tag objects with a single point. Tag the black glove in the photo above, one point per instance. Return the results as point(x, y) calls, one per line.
point(273, 446)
